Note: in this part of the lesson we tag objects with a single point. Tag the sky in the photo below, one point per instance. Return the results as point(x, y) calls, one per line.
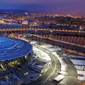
point(75, 7)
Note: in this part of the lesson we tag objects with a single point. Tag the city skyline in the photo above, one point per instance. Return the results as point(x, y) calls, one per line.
point(75, 7)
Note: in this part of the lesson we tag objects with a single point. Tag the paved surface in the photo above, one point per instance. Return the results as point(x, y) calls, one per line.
point(52, 71)
point(71, 79)
point(47, 77)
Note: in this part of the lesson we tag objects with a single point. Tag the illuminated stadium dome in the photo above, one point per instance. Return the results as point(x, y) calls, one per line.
point(13, 53)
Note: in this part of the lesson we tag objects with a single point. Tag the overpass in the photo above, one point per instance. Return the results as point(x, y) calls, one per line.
point(44, 30)
point(67, 46)
point(71, 40)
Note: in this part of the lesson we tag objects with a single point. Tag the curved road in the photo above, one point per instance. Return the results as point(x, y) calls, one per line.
point(47, 77)
point(51, 72)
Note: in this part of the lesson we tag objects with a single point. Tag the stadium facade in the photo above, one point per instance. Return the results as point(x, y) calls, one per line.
point(13, 53)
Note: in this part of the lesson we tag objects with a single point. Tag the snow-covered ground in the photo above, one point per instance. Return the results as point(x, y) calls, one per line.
point(41, 54)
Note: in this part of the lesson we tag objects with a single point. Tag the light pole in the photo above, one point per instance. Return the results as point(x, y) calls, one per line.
point(79, 33)
point(80, 30)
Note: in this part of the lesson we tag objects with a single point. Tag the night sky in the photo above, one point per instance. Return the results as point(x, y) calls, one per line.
point(59, 6)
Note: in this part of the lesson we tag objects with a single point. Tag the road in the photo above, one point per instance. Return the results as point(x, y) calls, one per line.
point(52, 71)
point(71, 79)
point(47, 77)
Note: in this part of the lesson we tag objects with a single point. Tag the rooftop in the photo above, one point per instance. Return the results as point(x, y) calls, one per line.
point(12, 48)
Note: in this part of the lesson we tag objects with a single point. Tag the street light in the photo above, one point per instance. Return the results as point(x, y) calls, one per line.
point(80, 30)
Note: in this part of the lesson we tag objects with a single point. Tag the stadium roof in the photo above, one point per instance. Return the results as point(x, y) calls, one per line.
point(13, 48)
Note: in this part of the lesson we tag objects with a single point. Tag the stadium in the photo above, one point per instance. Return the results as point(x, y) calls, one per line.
point(13, 53)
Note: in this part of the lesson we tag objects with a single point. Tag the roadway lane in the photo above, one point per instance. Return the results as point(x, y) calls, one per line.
point(47, 77)
point(52, 71)
point(71, 79)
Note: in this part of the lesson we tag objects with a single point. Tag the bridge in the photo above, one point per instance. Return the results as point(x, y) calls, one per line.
point(71, 40)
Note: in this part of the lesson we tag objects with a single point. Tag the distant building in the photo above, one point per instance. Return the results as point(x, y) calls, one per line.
point(25, 23)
